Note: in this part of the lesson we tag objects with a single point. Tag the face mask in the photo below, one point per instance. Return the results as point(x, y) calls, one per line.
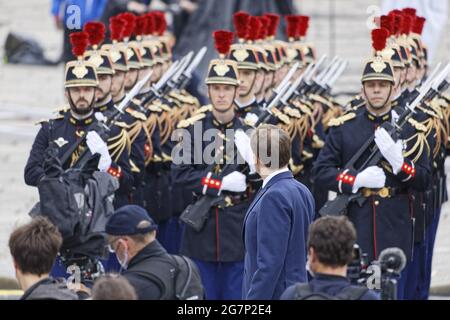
point(123, 263)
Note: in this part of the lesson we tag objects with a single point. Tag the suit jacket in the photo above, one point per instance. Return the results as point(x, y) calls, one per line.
point(275, 235)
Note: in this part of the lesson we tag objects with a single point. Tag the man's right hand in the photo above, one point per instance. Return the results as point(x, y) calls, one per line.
point(371, 177)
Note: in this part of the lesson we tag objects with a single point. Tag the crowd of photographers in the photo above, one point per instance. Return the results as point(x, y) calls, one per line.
point(35, 246)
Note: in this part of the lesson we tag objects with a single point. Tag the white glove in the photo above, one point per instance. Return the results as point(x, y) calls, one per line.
point(234, 182)
point(97, 145)
point(392, 151)
point(242, 142)
point(371, 177)
point(251, 118)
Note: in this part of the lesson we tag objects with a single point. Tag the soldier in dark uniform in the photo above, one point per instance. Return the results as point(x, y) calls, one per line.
point(126, 58)
point(248, 65)
point(68, 128)
point(384, 219)
point(217, 247)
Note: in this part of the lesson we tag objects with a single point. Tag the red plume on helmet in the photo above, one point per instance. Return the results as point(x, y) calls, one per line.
point(274, 19)
point(96, 32)
point(292, 26)
point(240, 20)
point(253, 29)
point(386, 22)
point(303, 26)
point(160, 23)
point(409, 12)
point(141, 25)
point(150, 25)
point(130, 23)
point(379, 37)
point(407, 24)
point(79, 41)
point(418, 25)
point(115, 26)
point(222, 41)
point(263, 31)
point(397, 23)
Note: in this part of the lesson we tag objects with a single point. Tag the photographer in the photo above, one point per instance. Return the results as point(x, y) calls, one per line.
point(34, 247)
point(330, 248)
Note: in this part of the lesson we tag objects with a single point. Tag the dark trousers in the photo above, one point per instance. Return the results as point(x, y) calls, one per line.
point(222, 280)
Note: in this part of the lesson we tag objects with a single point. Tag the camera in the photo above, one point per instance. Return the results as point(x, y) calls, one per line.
point(381, 275)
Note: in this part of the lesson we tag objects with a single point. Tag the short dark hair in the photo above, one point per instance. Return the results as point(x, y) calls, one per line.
point(332, 239)
point(113, 287)
point(268, 138)
point(34, 246)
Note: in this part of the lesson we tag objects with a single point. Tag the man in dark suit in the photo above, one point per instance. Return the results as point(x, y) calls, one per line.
point(277, 221)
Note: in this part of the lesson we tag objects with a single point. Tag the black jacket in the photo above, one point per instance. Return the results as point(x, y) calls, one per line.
point(146, 289)
point(49, 289)
point(330, 285)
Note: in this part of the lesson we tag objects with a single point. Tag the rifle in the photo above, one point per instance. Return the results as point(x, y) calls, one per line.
point(186, 76)
point(307, 83)
point(196, 214)
point(338, 205)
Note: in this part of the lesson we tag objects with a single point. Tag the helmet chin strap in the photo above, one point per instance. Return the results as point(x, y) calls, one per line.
point(74, 109)
point(251, 86)
point(385, 102)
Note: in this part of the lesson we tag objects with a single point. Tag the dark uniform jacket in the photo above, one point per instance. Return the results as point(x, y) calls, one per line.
point(380, 222)
point(65, 131)
point(220, 238)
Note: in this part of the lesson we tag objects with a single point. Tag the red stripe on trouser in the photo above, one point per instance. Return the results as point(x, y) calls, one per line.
point(374, 215)
point(217, 235)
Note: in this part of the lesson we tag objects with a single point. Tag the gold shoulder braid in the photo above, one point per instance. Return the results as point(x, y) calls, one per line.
point(341, 120)
point(190, 121)
point(136, 114)
point(204, 109)
point(134, 130)
point(415, 145)
point(118, 144)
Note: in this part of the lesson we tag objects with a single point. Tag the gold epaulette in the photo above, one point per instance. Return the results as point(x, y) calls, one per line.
point(428, 111)
point(320, 99)
point(303, 108)
point(437, 105)
point(446, 97)
point(156, 158)
point(190, 121)
point(416, 124)
point(293, 113)
point(281, 116)
point(122, 124)
point(165, 107)
point(339, 121)
point(41, 121)
point(182, 98)
point(204, 109)
point(154, 108)
point(136, 101)
point(136, 114)
point(62, 109)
